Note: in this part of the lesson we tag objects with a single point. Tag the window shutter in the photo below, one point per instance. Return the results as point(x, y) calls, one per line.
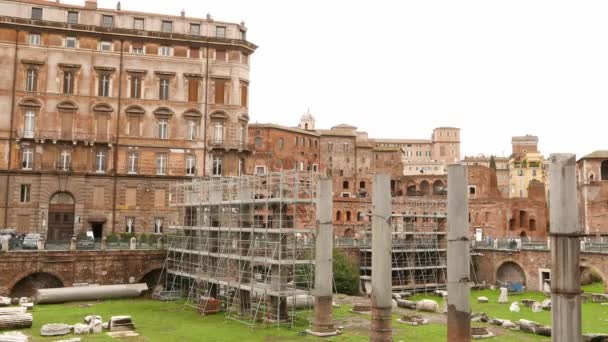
point(193, 90)
point(219, 91)
point(102, 127)
point(66, 125)
point(134, 126)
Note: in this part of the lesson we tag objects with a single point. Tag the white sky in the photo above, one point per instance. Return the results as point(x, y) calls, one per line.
point(400, 68)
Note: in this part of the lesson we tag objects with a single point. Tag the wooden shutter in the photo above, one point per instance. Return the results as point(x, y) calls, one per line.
point(159, 198)
point(131, 197)
point(102, 127)
point(193, 90)
point(66, 125)
point(98, 196)
point(219, 91)
point(194, 53)
point(134, 126)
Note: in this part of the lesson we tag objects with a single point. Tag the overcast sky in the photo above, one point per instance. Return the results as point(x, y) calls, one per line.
point(400, 68)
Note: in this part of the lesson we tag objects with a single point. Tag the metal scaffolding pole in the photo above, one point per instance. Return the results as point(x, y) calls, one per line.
point(565, 250)
point(459, 311)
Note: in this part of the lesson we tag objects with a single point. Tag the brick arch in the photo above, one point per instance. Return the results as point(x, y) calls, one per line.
point(144, 276)
point(23, 275)
point(599, 271)
point(508, 261)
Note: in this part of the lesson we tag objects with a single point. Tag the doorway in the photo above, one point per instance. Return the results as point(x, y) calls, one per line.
point(61, 217)
point(97, 229)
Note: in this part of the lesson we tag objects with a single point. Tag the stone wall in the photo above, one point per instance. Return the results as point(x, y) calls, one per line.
point(70, 267)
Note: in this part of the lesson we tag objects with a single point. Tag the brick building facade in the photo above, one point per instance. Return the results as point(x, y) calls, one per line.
point(104, 108)
point(592, 176)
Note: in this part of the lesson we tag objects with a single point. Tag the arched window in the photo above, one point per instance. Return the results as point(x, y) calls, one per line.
point(359, 216)
point(345, 185)
point(348, 216)
point(604, 172)
point(338, 215)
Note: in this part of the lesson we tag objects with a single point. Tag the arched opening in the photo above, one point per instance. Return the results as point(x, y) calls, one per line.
point(604, 170)
point(345, 185)
point(510, 272)
point(348, 216)
point(591, 280)
point(152, 279)
point(425, 188)
point(591, 177)
point(523, 235)
point(306, 126)
point(438, 187)
point(348, 233)
point(61, 217)
point(338, 215)
point(532, 224)
point(27, 286)
point(410, 189)
point(359, 216)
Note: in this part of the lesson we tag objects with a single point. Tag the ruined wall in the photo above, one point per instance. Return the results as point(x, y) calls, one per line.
point(94, 267)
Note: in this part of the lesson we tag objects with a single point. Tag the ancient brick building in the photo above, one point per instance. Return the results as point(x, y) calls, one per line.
point(501, 165)
point(101, 109)
point(593, 192)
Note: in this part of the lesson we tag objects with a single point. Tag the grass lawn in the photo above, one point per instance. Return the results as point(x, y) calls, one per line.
point(597, 287)
point(161, 321)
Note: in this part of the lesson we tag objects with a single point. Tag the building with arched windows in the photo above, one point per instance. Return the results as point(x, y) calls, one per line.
point(592, 175)
point(106, 108)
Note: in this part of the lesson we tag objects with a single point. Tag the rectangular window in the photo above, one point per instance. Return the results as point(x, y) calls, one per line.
point(195, 52)
point(31, 80)
point(244, 91)
point(100, 161)
point(134, 123)
point(137, 49)
point(129, 221)
point(243, 35)
point(68, 82)
point(195, 29)
point(36, 13)
point(105, 46)
point(193, 90)
point(220, 31)
point(163, 92)
point(190, 165)
point(161, 164)
point(34, 38)
point(242, 134)
point(158, 225)
point(163, 129)
point(167, 26)
point(219, 91)
point(72, 17)
point(26, 190)
point(104, 85)
point(260, 170)
point(27, 158)
point(138, 24)
point(133, 163)
point(107, 21)
point(165, 51)
point(29, 124)
point(241, 169)
point(135, 87)
point(191, 130)
point(218, 132)
point(245, 59)
point(65, 160)
point(220, 55)
point(71, 42)
point(218, 164)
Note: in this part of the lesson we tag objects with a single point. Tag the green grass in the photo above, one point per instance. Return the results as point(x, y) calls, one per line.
point(171, 321)
point(596, 287)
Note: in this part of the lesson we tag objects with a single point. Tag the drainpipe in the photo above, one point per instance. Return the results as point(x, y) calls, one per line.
point(205, 103)
point(117, 132)
point(10, 137)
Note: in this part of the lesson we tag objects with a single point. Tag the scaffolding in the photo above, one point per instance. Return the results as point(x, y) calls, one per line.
point(419, 246)
point(245, 246)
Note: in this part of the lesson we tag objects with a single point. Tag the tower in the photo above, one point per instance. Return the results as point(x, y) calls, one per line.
point(307, 121)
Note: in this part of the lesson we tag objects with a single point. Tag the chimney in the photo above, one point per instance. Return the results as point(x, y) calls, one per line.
point(90, 4)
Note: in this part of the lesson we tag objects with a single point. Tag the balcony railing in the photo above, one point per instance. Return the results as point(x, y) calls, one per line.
point(229, 144)
point(55, 136)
